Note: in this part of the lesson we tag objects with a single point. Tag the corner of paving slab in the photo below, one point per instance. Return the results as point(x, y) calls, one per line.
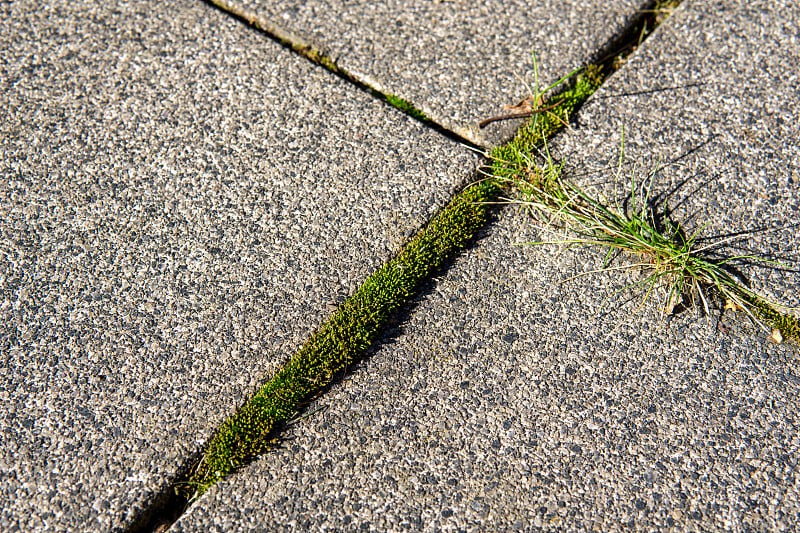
point(316, 55)
point(460, 64)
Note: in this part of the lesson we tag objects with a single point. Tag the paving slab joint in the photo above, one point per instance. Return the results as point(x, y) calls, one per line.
point(318, 56)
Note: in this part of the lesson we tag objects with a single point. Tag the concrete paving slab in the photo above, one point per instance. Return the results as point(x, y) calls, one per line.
point(459, 62)
point(182, 202)
point(514, 400)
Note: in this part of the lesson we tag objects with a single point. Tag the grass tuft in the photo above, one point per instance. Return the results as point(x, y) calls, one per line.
point(691, 273)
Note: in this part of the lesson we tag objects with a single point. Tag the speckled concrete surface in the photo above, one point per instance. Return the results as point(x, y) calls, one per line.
point(515, 398)
point(459, 62)
point(182, 202)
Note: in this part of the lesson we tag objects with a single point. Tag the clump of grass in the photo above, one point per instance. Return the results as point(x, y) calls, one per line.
point(690, 272)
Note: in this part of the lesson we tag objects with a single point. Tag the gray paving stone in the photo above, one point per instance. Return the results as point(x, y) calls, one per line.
point(182, 202)
point(515, 398)
point(459, 62)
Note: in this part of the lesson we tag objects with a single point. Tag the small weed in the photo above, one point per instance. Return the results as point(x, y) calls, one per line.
point(690, 272)
point(532, 104)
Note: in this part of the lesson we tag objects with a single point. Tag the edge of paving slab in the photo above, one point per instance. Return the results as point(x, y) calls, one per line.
point(316, 55)
point(360, 321)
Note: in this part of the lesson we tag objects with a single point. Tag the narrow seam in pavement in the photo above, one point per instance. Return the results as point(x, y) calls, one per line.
point(304, 48)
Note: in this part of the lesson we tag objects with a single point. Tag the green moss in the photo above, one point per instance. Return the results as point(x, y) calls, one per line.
point(358, 322)
point(314, 55)
point(406, 106)
point(788, 325)
point(354, 327)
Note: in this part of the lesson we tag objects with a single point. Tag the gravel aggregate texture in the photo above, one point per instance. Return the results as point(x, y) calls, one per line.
point(183, 202)
point(517, 397)
point(458, 62)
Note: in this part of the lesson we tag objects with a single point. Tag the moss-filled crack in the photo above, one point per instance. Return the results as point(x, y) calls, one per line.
point(346, 335)
point(360, 320)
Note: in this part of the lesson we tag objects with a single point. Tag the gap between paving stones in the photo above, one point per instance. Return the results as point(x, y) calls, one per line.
point(304, 48)
point(360, 320)
point(356, 325)
point(457, 62)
